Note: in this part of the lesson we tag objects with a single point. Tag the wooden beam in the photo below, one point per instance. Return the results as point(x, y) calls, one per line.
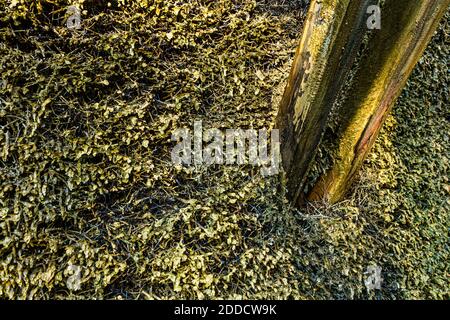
point(331, 37)
point(406, 28)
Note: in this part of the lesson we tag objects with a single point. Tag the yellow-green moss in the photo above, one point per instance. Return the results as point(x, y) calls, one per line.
point(87, 181)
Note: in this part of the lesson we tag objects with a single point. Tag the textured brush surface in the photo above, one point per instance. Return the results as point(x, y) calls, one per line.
point(92, 207)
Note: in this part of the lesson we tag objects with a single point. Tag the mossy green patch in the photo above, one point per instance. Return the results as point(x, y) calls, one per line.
point(92, 207)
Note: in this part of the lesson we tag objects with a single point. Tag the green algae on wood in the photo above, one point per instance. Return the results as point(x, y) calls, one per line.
point(331, 37)
point(407, 27)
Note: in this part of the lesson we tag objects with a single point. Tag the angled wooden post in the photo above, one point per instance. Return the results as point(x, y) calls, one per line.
point(331, 37)
point(406, 28)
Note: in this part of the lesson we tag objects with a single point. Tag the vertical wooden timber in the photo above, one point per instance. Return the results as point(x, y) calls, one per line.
point(331, 37)
point(406, 28)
